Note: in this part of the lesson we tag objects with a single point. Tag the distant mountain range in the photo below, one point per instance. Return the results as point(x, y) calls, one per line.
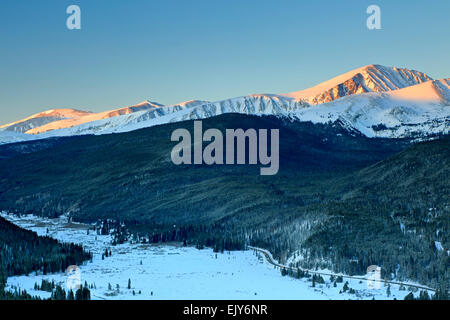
point(375, 100)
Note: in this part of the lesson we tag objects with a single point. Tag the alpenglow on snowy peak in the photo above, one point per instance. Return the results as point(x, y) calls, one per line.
point(65, 118)
point(371, 78)
point(43, 118)
point(375, 100)
point(416, 111)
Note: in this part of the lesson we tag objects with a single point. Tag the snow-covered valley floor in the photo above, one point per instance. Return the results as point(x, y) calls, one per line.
point(171, 271)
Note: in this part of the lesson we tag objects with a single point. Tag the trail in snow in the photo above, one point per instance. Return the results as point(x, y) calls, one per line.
point(272, 261)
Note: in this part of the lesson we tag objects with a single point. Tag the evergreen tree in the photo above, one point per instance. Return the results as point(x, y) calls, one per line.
point(441, 294)
point(345, 288)
point(79, 294)
point(86, 294)
point(409, 296)
point(423, 295)
point(70, 295)
point(58, 294)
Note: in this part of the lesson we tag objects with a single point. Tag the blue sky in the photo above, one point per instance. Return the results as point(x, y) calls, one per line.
point(170, 51)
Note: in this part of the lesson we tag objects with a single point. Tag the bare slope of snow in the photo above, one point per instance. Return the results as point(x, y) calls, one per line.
point(437, 91)
point(77, 120)
point(43, 118)
point(371, 78)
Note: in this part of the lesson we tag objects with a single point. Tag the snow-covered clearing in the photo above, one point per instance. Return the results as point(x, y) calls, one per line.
point(171, 271)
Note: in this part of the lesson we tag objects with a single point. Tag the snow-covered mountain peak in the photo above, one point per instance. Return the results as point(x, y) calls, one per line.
point(415, 111)
point(43, 118)
point(370, 78)
point(191, 103)
point(148, 103)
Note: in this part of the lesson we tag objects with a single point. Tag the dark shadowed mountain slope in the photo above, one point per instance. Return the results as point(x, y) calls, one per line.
point(130, 175)
point(395, 214)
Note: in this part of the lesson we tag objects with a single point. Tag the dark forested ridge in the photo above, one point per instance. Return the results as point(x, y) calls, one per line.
point(340, 200)
point(14, 149)
point(23, 251)
point(130, 176)
point(391, 214)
